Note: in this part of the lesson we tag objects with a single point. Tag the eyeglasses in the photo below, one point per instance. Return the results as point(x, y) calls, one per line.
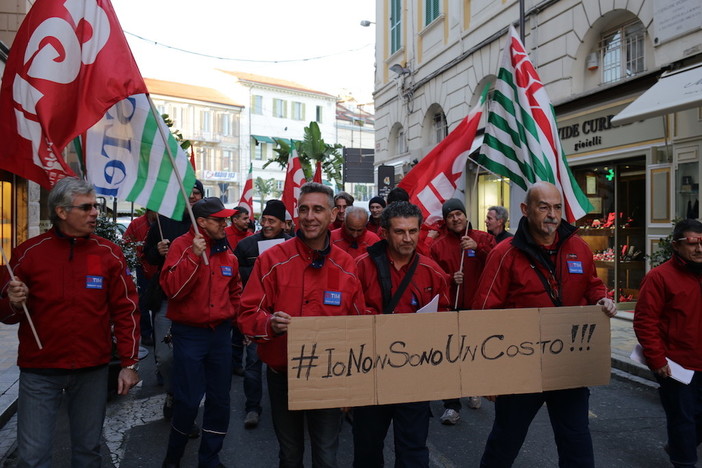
point(217, 220)
point(690, 240)
point(86, 206)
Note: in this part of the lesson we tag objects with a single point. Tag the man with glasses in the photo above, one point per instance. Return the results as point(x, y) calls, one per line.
point(78, 294)
point(203, 300)
point(668, 324)
point(545, 264)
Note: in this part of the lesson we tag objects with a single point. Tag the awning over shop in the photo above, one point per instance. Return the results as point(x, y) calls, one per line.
point(263, 139)
point(675, 91)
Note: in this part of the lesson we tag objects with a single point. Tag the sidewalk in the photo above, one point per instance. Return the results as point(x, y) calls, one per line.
point(623, 341)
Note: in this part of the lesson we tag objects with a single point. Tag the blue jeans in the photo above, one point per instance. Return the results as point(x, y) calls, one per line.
point(202, 358)
point(163, 352)
point(253, 370)
point(323, 426)
point(410, 427)
point(37, 409)
point(568, 412)
point(683, 413)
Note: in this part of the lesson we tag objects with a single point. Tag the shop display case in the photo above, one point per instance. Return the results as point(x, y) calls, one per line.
point(688, 196)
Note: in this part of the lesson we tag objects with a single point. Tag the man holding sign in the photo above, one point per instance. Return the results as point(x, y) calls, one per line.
point(305, 276)
point(544, 265)
point(397, 280)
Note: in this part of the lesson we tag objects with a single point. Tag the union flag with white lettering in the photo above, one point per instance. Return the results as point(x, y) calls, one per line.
point(439, 176)
point(68, 64)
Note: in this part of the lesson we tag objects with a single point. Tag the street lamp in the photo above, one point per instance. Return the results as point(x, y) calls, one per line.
point(366, 23)
point(400, 70)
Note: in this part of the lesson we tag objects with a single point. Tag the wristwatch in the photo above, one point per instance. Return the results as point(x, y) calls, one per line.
point(134, 367)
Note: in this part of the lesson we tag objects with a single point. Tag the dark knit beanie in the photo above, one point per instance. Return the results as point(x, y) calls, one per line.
point(275, 208)
point(378, 200)
point(452, 204)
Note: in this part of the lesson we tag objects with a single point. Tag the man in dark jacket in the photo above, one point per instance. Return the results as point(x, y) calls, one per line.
point(247, 251)
point(544, 265)
point(668, 324)
point(203, 300)
point(496, 222)
point(78, 294)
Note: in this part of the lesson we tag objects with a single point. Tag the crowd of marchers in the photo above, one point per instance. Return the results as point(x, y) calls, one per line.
point(215, 299)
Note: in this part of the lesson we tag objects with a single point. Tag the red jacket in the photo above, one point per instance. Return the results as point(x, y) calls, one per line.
point(374, 226)
point(78, 289)
point(354, 247)
point(428, 281)
point(446, 251)
point(509, 282)
point(201, 295)
point(668, 316)
point(234, 235)
point(292, 278)
point(136, 232)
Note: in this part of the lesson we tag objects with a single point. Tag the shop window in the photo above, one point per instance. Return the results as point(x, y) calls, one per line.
point(622, 52)
point(688, 200)
point(6, 230)
point(493, 190)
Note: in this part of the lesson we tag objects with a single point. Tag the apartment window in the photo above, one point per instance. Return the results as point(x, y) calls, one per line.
point(318, 115)
point(257, 104)
point(225, 124)
point(431, 11)
point(258, 151)
point(279, 185)
point(622, 52)
point(280, 108)
point(226, 161)
point(400, 145)
point(395, 25)
point(206, 124)
point(298, 111)
point(440, 130)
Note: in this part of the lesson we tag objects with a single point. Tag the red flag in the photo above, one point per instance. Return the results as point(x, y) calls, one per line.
point(439, 176)
point(318, 173)
point(69, 64)
point(192, 158)
point(294, 178)
point(247, 193)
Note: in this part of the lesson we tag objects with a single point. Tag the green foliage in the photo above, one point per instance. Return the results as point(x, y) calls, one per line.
point(111, 231)
point(185, 144)
point(665, 249)
point(310, 150)
point(264, 188)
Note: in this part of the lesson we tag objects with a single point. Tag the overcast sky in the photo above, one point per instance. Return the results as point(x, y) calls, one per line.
point(291, 32)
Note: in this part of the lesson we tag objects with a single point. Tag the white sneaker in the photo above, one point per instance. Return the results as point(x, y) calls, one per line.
point(474, 402)
point(450, 417)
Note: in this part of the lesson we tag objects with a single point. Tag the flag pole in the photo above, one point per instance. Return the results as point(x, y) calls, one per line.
point(24, 304)
point(458, 288)
point(186, 196)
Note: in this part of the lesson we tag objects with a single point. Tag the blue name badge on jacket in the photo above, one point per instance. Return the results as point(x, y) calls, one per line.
point(470, 253)
point(226, 270)
point(332, 298)
point(575, 267)
point(93, 282)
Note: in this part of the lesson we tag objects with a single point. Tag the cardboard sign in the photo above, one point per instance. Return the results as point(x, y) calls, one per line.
point(382, 359)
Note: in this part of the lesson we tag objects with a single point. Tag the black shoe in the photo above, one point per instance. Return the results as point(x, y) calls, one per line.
point(194, 432)
point(170, 464)
point(168, 406)
point(238, 371)
point(147, 341)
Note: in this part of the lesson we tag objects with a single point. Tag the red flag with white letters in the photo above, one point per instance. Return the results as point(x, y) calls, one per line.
point(439, 176)
point(246, 199)
point(294, 179)
point(68, 64)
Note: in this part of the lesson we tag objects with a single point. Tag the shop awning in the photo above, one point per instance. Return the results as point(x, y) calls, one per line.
point(263, 139)
point(675, 91)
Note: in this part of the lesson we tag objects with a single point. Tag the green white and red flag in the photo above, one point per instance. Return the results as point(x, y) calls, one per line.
point(521, 139)
point(439, 176)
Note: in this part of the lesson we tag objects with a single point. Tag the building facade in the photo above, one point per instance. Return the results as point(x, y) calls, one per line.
point(595, 58)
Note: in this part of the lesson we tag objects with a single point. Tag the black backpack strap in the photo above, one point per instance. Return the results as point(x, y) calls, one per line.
point(390, 307)
point(380, 259)
point(555, 297)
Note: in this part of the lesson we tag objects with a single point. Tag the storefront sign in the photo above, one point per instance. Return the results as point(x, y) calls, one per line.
point(383, 359)
point(221, 175)
point(593, 132)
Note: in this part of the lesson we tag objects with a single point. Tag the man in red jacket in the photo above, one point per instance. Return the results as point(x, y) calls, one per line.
point(203, 300)
point(353, 237)
point(668, 324)
point(304, 276)
point(397, 279)
point(239, 229)
point(78, 294)
point(460, 241)
point(545, 264)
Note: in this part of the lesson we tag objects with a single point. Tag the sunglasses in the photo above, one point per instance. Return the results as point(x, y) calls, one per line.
point(690, 240)
point(86, 206)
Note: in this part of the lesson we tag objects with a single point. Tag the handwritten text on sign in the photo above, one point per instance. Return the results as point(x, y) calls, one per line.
point(352, 361)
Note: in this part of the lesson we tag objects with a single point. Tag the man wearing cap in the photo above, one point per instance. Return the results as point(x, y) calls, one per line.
point(305, 276)
point(396, 279)
point(203, 300)
point(473, 245)
point(353, 237)
point(342, 200)
point(239, 229)
point(161, 234)
point(247, 251)
point(376, 206)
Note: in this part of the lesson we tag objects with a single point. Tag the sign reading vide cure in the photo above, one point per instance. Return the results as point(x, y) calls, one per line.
point(383, 359)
